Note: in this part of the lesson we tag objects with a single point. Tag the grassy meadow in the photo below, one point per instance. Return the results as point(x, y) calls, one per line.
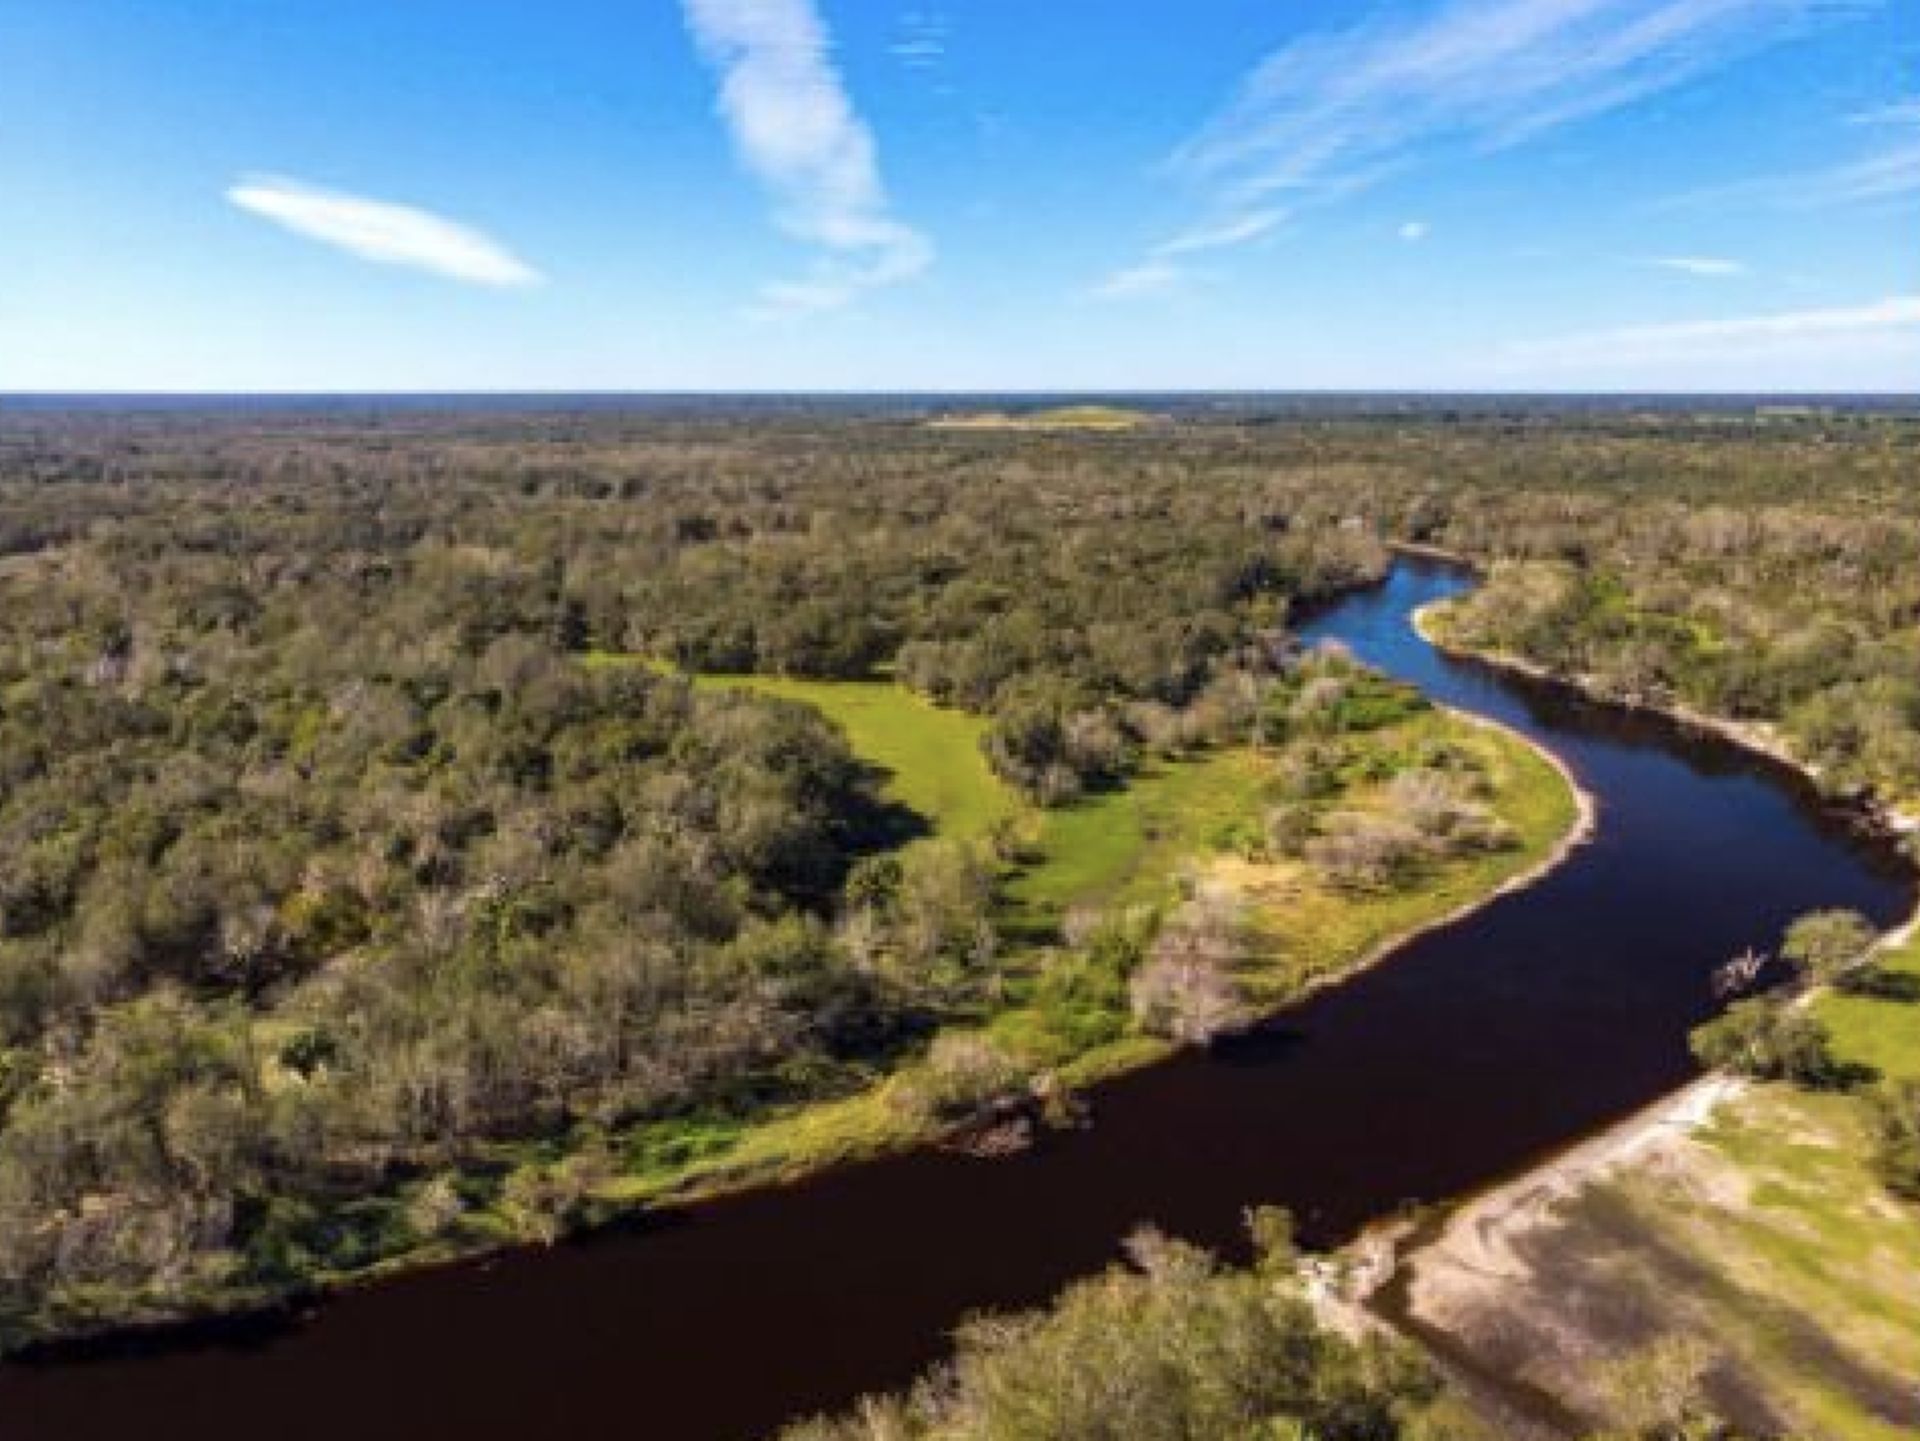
point(1778, 1243)
point(1883, 1035)
point(1063, 417)
point(1131, 850)
point(930, 754)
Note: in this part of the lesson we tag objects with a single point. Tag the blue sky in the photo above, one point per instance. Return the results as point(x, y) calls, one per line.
point(977, 194)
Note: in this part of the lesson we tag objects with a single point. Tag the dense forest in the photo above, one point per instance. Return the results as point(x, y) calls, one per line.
point(1763, 572)
point(336, 877)
point(327, 862)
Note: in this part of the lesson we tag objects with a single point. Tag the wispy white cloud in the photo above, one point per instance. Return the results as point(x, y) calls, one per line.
point(1150, 277)
point(1899, 112)
point(923, 39)
point(383, 232)
point(1892, 173)
point(1337, 111)
point(1160, 274)
point(1224, 235)
point(1889, 173)
point(1809, 335)
point(919, 53)
point(795, 128)
point(1414, 230)
point(1707, 267)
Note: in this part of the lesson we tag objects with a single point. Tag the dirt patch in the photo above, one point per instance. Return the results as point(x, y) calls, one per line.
point(1649, 1232)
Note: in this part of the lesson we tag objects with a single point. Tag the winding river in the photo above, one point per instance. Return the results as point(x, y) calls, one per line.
point(1472, 1052)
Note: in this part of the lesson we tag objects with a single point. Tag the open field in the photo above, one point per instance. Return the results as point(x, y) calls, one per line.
point(1066, 417)
point(1122, 847)
point(931, 754)
point(1881, 1034)
point(1176, 825)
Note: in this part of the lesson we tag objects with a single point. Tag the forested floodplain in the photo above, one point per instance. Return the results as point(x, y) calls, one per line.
point(1211, 887)
point(423, 830)
point(355, 904)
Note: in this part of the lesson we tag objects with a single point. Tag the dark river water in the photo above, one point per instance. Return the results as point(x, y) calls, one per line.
point(1469, 1054)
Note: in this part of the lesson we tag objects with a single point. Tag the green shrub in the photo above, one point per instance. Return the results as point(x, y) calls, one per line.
point(1895, 1110)
point(1768, 1040)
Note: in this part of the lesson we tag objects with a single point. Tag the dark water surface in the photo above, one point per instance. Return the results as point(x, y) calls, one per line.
point(1472, 1052)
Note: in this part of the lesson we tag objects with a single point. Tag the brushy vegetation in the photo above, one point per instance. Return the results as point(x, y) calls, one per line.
point(1170, 1348)
point(1802, 626)
point(1091, 901)
point(349, 911)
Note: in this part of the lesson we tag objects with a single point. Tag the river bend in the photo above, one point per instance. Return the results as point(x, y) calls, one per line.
point(1470, 1053)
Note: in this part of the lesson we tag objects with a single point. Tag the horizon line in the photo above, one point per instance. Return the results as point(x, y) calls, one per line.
point(952, 392)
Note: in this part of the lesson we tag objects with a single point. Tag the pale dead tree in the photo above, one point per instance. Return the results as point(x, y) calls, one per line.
point(1186, 990)
point(247, 935)
point(439, 921)
point(107, 669)
point(436, 1206)
point(1158, 725)
point(1095, 743)
point(1081, 924)
point(1318, 700)
point(863, 936)
point(965, 1075)
point(1362, 851)
point(1739, 974)
point(1426, 798)
point(1432, 802)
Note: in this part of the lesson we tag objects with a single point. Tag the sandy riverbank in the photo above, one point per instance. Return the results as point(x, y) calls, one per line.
point(1727, 1217)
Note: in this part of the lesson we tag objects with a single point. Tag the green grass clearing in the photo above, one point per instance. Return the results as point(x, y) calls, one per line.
point(1063, 417)
point(931, 755)
point(1882, 1034)
point(1122, 849)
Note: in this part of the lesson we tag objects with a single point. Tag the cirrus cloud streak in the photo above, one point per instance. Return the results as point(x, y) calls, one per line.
point(1705, 267)
point(1891, 323)
point(1337, 111)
